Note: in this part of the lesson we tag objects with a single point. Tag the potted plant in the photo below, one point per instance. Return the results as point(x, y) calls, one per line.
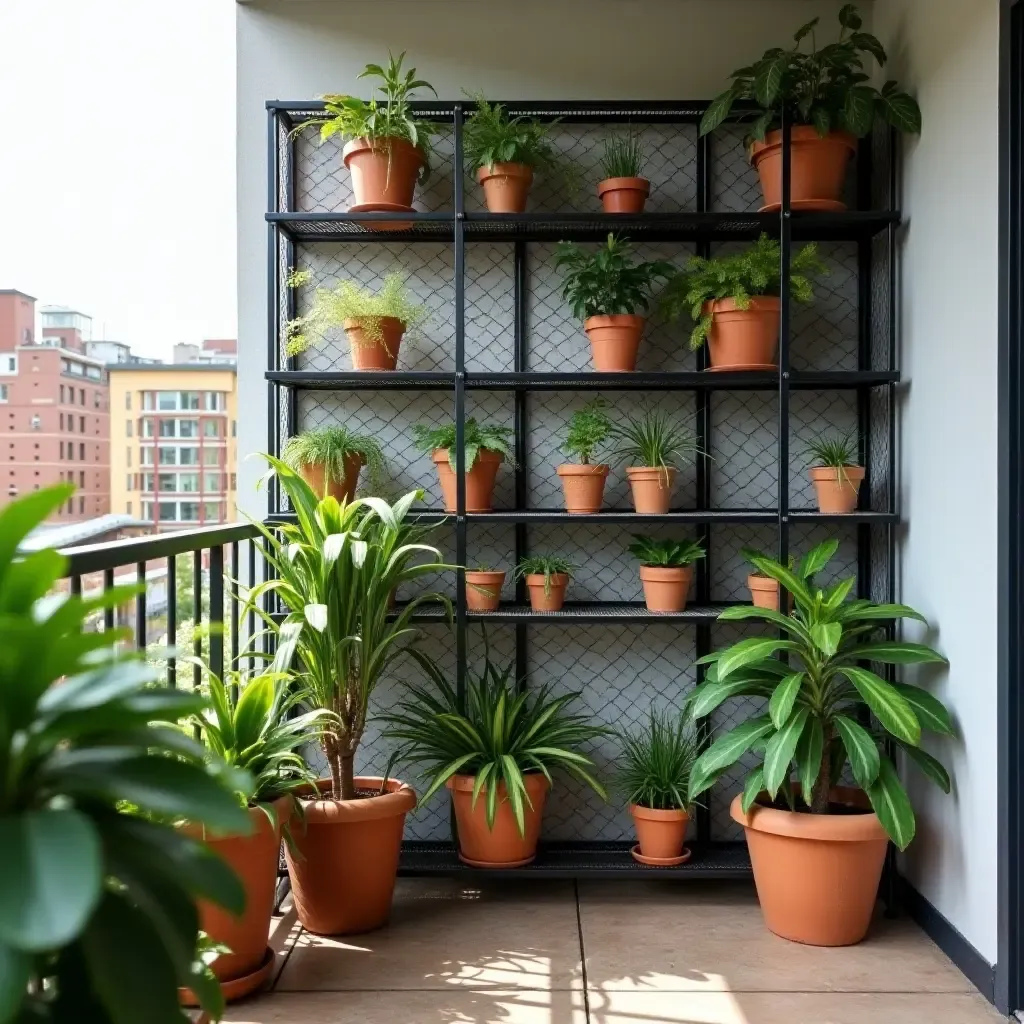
point(734, 301)
point(665, 571)
point(607, 289)
point(335, 568)
point(817, 847)
point(483, 588)
point(835, 473)
point(623, 190)
point(374, 321)
point(329, 460)
point(826, 95)
point(547, 577)
point(583, 482)
point(764, 590)
point(484, 449)
point(654, 446)
point(657, 762)
point(495, 752)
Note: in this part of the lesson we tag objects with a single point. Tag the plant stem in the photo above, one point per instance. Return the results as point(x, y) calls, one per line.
point(823, 784)
point(347, 781)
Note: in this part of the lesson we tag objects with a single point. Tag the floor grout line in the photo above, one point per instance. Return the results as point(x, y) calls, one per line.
point(583, 951)
point(288, 956)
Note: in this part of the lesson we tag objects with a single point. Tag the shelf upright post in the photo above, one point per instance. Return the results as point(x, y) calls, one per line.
point(865, 317)
point(521, 432)
point(460, 408)
point(273, 304)
point(786, 246)
point(292, 395)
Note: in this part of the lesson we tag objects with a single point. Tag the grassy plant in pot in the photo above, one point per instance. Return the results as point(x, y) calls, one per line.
point(835, 473)
point(827, 97)
point(653, 446)
point(608, 290)
point(484, 449)
point(623, 190)
point(483, 588)
point(666, 568)
point(583, 482)
point(329, 460)
point(657, 762)
point(547, 578)
point(335, 569)
point(495, 752)
point(818, 847)
point(374, 321)
point(734, 302)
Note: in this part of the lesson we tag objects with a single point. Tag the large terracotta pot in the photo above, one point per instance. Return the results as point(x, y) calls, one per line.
point(837, 489)
point(342, 490)
point(343, 871)
point(818, 169)
point(624, 195)
point(764, 592)
point(666, 587)
point(384, 172)
point(479, 480)
point(743, 339)
point(661, 834)
point(651, 488)
point(614, 341)
point(375, 353)
point(583, 487)
point(506, 186)
point(502, 846)
point(817, 875)
point(483, 590)
point(551, 599)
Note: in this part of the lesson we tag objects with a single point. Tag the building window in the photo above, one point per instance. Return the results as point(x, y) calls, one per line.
point(167, 428)
point(232, 485)
point(12, 364)
point(81, 506)
point(36, 423)
point(62, 449)
point(96, 400)
point(189, 511)
point(128, 508)
point(3, 392)
point(128, 486)
point(213, 401)
point(128, 456)
point(211, 511)
point(81, 396)
point(81, 451)
point(145, 458)
point(211, 457)
point(81, 424)
point(128, 400)
point(81, 478)
point(212, 482)
point(71, 422)
point(147, 400)
point(62, 421)
point(147, 427)
point(188, 428)
point(234, 428)
point(128, 428)
point(168, 511)
point(168, 456)
point(62, 393)
point(211, 428)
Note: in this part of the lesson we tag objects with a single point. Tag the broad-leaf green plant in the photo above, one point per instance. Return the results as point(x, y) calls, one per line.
point(546, 566)
point(665, 554)
point(476, 438)
point(589, 428)
point(491, 136)
point(657, 762)
point(330, 446)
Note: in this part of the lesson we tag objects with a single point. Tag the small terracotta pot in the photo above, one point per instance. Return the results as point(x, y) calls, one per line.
point(479, 480)
point(661, 833)
point(506, 186)
point(666, 587)
point(764, 592)
point(651, 488)
point(818, 168)
point(554, 598)
point(341, 490)
point(743, 339)
point(837, 489)
point(614, 341)
point(817, 875)
point(501, 846)
point(375, 353)
point(483, 590)
point(624, 195)
point(384, 171)
point(344, 872)
point(583, 487)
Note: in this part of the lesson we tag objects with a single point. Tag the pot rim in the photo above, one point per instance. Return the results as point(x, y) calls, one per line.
point(533, 780)
point(657, 814)
point(350, 324)
point(579, 469)
point(281, 803)
point(377, 145)
point(665, 573)
point(648, 472)
point(440, 455)
point(826, 473)
point(756, 582)
point(558, 579)
point(600, 320)
point(506, 169)
point(399, 799)
point(631, 184)
point(758, 304)
point(836, 828)
point(487, 574)
point(804, 133)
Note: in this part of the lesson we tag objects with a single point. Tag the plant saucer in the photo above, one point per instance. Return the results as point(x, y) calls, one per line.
point(237, 988)
point(496, 864)
point(383, 225)
point(660, 862)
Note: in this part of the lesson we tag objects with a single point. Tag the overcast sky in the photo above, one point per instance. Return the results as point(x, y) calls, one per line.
point(117, 187)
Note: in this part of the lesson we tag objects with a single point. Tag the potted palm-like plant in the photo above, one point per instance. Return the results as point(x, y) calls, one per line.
point(800, 822)
point(609, 290)
point(734, 301)
point(374, 321)
point(825, 95)
point(623, 190)
point(547, 577)
point(329, 460)
point(495, 752)
point(666, 568)
point(335, 569)
point(583, 482)
point(654, 446)
point(657, 762)
point(484, 449)
point(835, 474)
point(483, 588)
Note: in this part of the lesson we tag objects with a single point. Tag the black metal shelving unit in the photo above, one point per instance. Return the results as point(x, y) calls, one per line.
point(873, 382)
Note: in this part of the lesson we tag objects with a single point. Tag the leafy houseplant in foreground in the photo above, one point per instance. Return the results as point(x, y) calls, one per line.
point(547, 577)
point(666, 568)
point(813, 730)
point(582, 481)
point(329, 460)
point(484, 448)
point(825, 93)
point(835, 473)
point(608, 290)
point(653, 446)
point(623, 190)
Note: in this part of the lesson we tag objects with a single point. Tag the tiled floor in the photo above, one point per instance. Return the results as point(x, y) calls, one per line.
point(603, 953)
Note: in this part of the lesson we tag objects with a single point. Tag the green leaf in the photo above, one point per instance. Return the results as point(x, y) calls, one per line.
point(866, 612)
point(849, 18)
point(817, 558)
point(804, 30)
point(316, 616)
point(821, 118)
point(930, 711)
point(748, 651)
point(780, 707)
point(931, 766)
point(861, 749)
point(709, 695)
point(752, 789)
point(902, 112)
point(859, 109)
point(726, 751)
point(826, 636)
point(896, 652)
point(808, 756)
point(893, 712)
point(15, 970)
point(866, 41)
point(892, 805)
point(717, 112)
point(781, 749)
point(253, 709)
point(768, 80)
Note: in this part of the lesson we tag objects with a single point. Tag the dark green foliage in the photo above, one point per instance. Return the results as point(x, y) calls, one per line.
point(492, 137)
point(654, 440)
point(834, 452)
point(668, 554)
point(657, 763)
point(623, 157)
point(544, 565)
point(589, 428)
point(475, 439)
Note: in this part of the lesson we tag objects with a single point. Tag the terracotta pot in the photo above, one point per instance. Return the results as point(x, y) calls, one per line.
point(817, 875)
point(651, 488)
point(666, 587)
point(764, 592)
point(502, 846)
point(837, 489)
point(661, 833)
point(583, 487)
point(479, 480)
point(614, 341)
point(383, 171)
point(342, 490)
point(483, 590)
point(347, 858)
point(554, 598)
point(743, 339)
point(506, 186)
point(818, 168)
point(624, 195)
point(375, 353)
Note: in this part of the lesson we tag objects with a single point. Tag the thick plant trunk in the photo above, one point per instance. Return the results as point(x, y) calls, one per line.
point(347, 780)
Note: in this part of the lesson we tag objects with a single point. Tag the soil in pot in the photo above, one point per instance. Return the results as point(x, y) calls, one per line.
point(341, 490)
point(501, 846)
point(666, 587)
point(743, 339)
point(764, 592)
point(479, 480)
point(506, 186)
point(651, 488)
point(483, 590)
point(551, 599)
point(375, 353)
point(583, 487)
point(614, 341)
point(661, 834)
point(837, 489)
point(818, 168)
point(343, 871)
point(384, 172)
point(817, 875)
point(624, 195)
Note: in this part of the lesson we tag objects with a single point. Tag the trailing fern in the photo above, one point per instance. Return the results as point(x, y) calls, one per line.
point(491, 137)
point(330, 446)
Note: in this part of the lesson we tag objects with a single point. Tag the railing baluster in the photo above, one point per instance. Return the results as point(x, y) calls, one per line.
point(140, 607)
point(252, 611)
point(76, 586)
point(217, 611)
point(108, 613)
point(197, 616)
point(172, 619)
point(233, 624)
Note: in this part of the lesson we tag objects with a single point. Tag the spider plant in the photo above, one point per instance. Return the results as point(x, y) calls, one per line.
point(654, 440)
point(658, 761)
point(623, 157)
point(835, 452)
point(330, 446)
point(546, 566)
point(476, 438)
point(668, 554)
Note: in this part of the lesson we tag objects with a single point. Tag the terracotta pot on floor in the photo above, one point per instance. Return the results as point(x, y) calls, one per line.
point(479, 480)
point(551, 600)
point(375, 353)
point(347, 858)
point(502, 846)
point(384, 173)
point(817, 875)
point(506, 186)
point(660, 834)
point(666, 587)
point(818, 168)
point(651, 488)
point(614, 341)
point(342, 490)
point(583, 487)
point(837, 489)
point(483, 590)
point(764, 592)
point(743, 339)
point(624, 195)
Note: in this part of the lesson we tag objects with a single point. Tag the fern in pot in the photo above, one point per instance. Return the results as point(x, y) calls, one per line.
point(653, 446)
point(666, 569)
point(547, 579)
point(583, 481)
point(835, 473)
point(329, 460)
point(623, 188)
point(484, 449)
